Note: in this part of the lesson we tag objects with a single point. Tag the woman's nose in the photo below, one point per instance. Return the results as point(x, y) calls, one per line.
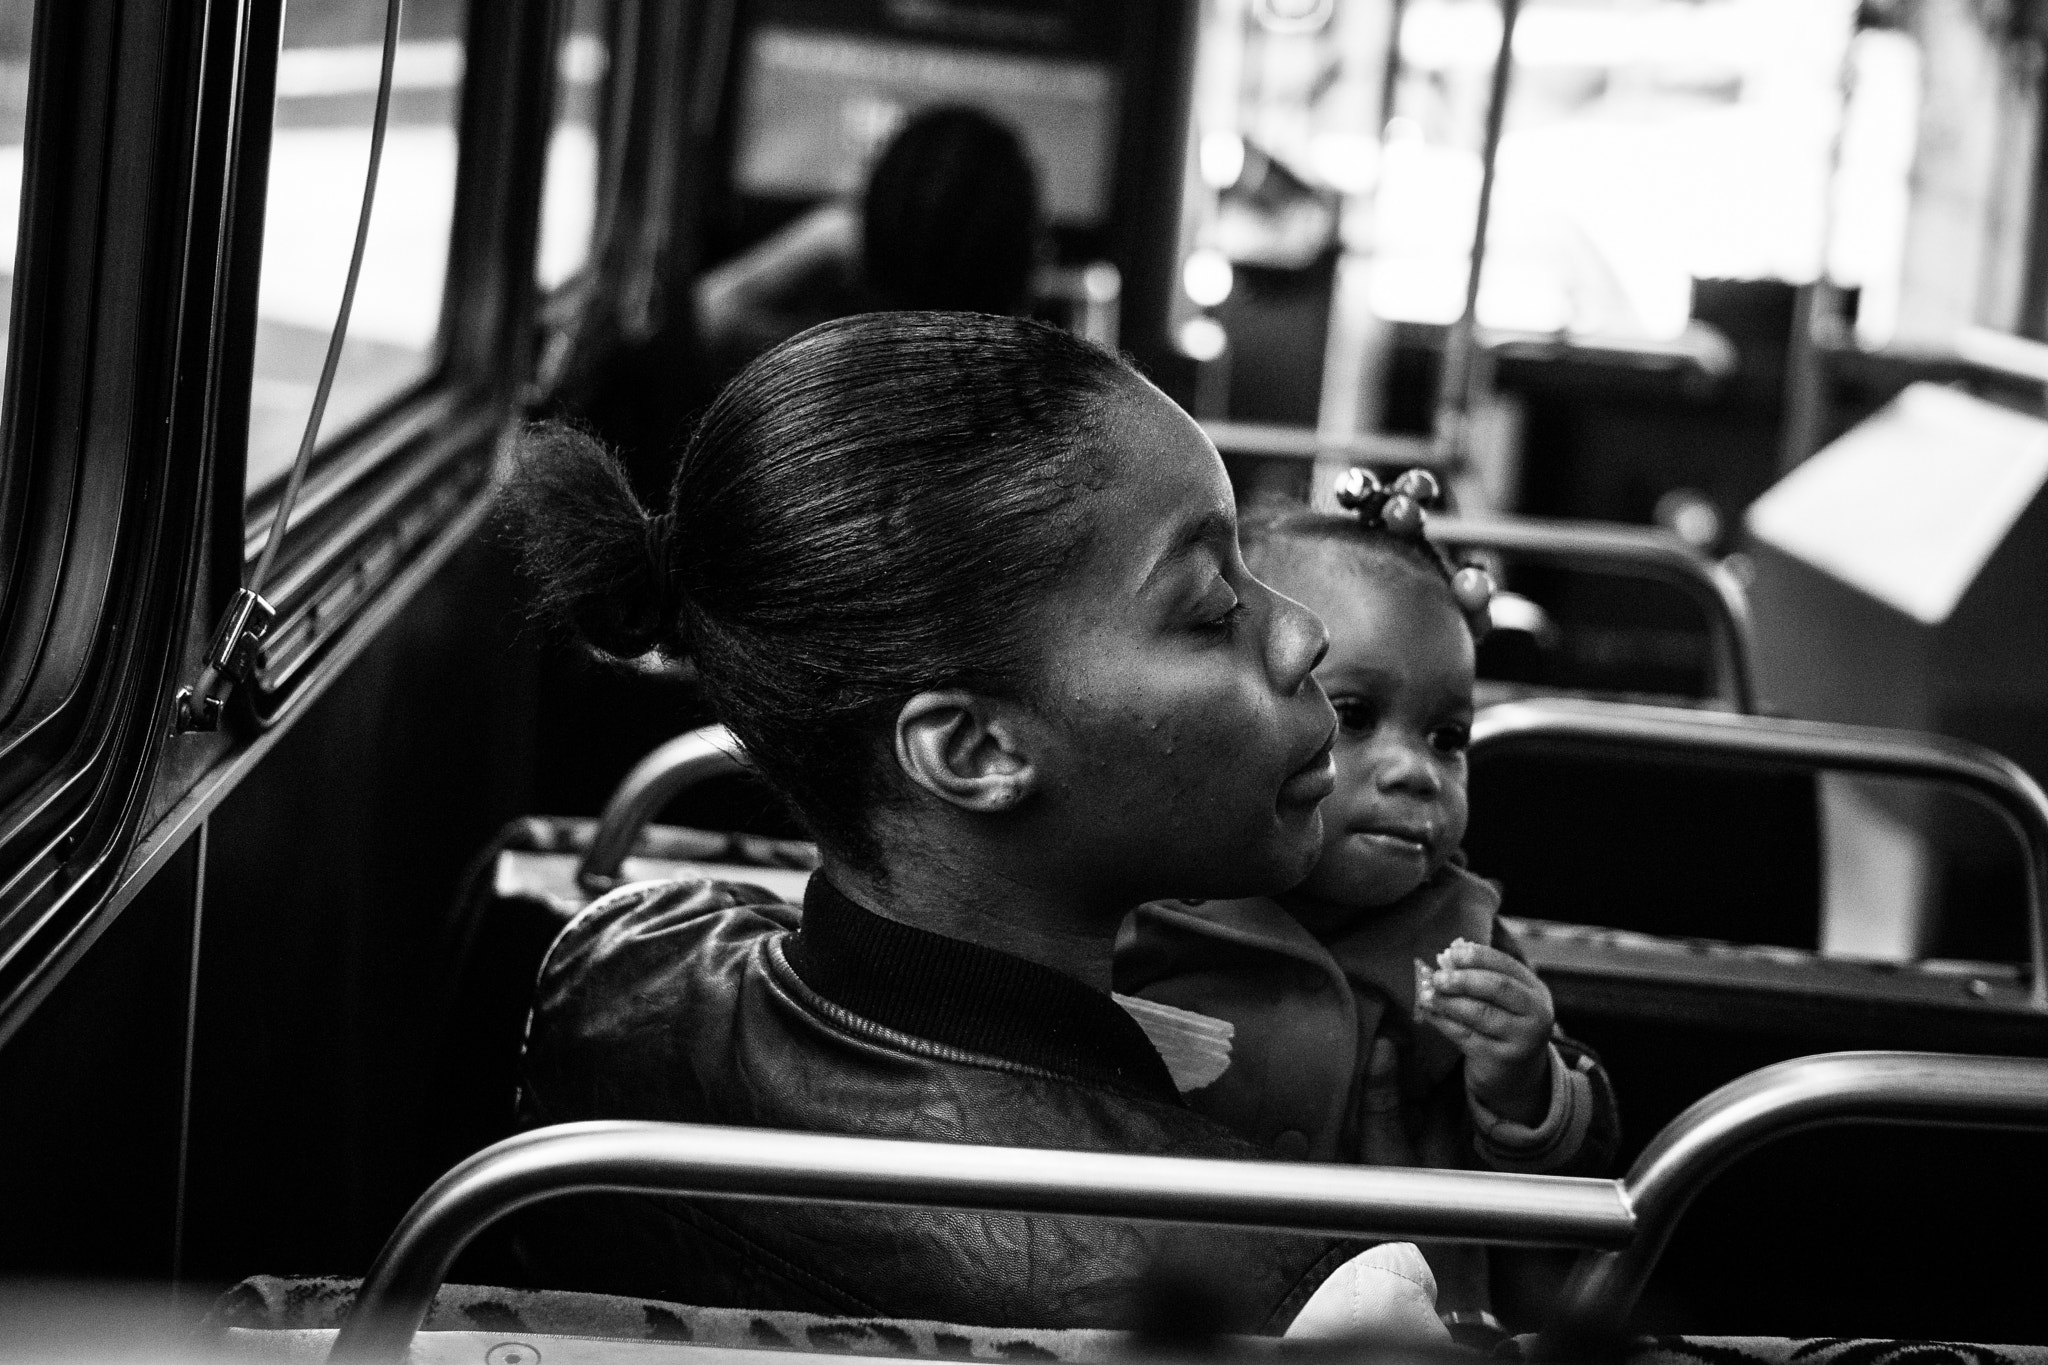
point(1295, 645)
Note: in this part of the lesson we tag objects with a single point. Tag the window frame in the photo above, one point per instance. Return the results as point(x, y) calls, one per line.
point(612, 99)
point(659, 121)
point(432, 443)
point(125, 433)
point(131, 106)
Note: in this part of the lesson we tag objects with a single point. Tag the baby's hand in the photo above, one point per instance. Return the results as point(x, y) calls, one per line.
point(1499, 1015)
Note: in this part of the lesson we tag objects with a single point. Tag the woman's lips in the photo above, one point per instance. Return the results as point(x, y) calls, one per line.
point(1313, 780)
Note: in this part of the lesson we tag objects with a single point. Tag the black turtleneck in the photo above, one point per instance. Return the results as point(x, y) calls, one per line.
point(970, 997)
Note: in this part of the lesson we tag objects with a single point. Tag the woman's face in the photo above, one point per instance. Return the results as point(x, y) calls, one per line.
point(1186, 743)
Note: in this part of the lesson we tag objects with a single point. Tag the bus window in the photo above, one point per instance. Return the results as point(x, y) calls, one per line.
point(327, 78)
point(568, 206)
point(1646, 144)
point(16, 18)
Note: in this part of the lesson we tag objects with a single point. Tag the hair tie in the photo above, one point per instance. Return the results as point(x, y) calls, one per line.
point(659, 532)
point(660, 537)
point(1400, 509)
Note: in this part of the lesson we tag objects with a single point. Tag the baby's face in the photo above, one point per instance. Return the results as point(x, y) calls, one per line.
point(1399, 673)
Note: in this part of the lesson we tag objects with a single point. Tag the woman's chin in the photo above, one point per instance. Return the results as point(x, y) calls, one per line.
point(1268, 865)
point(1361, 883)
point(1297, 844)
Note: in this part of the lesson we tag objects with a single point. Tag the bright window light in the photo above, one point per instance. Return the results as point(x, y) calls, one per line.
point(1207, 277)
point(1202, 338)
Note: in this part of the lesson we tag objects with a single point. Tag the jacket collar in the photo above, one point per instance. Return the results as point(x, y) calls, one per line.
point(970, 997)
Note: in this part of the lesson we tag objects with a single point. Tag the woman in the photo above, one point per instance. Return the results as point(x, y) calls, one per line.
point(968, 590)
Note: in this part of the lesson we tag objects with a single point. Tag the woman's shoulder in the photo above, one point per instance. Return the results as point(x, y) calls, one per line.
point(635, 986)
point(657, 913)
point(641, 947)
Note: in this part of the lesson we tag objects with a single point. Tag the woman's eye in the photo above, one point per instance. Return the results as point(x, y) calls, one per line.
point(1451, 739)
point(1227, 620)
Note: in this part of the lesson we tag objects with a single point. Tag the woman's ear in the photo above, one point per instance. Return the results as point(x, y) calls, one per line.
point(964, 749)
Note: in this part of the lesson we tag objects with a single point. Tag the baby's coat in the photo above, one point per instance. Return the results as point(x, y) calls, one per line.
point(1303, 1015)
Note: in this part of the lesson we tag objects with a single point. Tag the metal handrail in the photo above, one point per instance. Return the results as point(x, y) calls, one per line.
point(1637, 552)
point(1272, 441)
point(655, 781)
point(1627, 1222)
point(1808, 1092)
point(1649, 731)
point(679, 1158)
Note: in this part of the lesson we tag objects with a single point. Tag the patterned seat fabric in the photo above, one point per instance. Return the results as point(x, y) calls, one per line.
point(305, 1306)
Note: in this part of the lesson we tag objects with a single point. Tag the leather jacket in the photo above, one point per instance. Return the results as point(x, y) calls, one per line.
point(709, 1002)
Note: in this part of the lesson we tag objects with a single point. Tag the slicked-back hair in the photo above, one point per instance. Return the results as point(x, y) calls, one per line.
point(867, 511)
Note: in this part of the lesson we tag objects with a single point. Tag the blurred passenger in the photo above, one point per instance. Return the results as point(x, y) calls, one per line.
point(950, 219)
point(969, 591)
point(1379, 1011)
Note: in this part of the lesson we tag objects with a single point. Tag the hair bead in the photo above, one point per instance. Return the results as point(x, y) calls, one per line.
point(1402, 515)
point(1396, 507)
point(1422, 486)
point(1356, 486)
point(1473, 587)
point(1390, 516)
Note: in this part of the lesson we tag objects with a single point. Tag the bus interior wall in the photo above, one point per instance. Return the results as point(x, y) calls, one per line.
point(318, 892)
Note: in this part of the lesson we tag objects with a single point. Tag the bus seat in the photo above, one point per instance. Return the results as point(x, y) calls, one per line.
point(1668, 952)
point(480, 1323)
point(1650, 819)
point(297, 1319)
point(1623, 1225)
point(1634, 609)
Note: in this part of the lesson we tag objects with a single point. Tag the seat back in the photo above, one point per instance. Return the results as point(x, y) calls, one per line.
point(1714, 970)
point(1625, 1223)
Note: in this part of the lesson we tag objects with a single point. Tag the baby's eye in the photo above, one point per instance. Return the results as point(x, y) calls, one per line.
point(1451, 739)
point(1354, 713)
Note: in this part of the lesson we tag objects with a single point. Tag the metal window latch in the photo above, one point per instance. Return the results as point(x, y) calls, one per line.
point(228, 660)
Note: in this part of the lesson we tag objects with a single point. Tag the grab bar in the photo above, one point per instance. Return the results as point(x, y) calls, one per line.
point(1790, 1097)
point(688, 1158)
point(1273, 441)
point(1815, 745)
point(655, 781)
point(1635, 551)
point(1628, 1220)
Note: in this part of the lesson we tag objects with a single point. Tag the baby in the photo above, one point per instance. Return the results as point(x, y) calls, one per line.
point(1379, 1012)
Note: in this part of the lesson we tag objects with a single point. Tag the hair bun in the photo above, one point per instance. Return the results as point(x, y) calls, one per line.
point(597, 562)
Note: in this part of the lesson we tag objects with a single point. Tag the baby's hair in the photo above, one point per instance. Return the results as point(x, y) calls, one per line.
point(867, 511)
point(1263, 531)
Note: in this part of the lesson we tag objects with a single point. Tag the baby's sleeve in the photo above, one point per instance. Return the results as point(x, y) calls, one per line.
point(1580, 1133)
